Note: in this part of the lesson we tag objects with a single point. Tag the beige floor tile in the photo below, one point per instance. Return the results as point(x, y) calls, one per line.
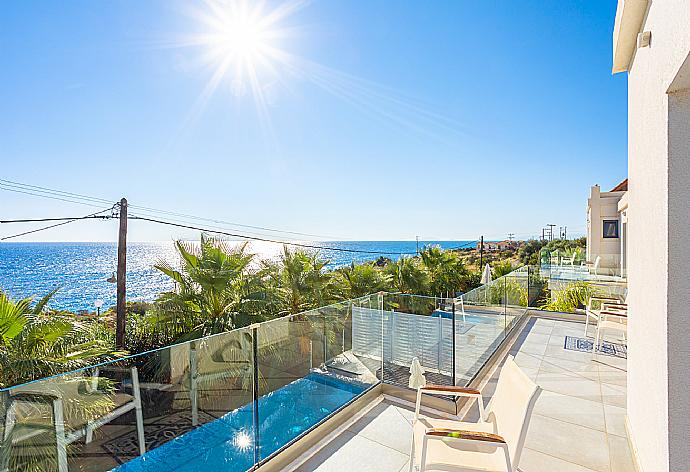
point(572, 410)
point(559, 352)
point(614, 395)
point(385, 425)
point(615, 420)
point(614, 377)
point(571, 329)
point(569, 442)
point(535, 349)
point(531, 373)
point(612, 364)
point(570, 384)
point(621, 456)
point(582, 368)
point(541, 329)
point(534, 461)
point(538, 338)
point(527, 361)
point(350, 452)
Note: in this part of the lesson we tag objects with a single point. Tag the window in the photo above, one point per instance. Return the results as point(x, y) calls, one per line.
point(610, 228)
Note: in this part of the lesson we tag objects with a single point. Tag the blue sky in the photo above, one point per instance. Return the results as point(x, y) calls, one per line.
point(444, 119)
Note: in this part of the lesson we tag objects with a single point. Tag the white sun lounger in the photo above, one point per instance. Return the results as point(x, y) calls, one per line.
point(493, 444)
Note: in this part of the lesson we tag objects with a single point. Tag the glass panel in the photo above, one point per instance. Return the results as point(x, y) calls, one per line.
point(163, 404)
point(483, 318)
point(566, 288)
point(308, 368)
point(421, 327)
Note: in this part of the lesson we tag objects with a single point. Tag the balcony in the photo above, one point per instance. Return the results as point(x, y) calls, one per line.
point(578, 424)
point(323, 390)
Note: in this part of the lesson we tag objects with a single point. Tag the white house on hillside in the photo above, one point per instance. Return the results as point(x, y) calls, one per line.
point(651, 41)
point(607, 228)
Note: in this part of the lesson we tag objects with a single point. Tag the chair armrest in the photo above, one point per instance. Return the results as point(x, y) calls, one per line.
point(619, 314)
point(617, 306)
point(605, 299)
point(464, 434)
point(450, 390)
point(34, 397)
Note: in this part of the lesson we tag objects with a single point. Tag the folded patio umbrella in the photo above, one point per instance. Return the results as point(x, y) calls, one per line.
point(417, 379)
point(486, 274)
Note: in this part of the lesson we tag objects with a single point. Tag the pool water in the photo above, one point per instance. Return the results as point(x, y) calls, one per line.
point(228, 442)
point(474, 319)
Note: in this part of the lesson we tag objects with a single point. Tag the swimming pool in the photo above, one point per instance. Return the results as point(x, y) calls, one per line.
point(474, 319)
point(227, 443)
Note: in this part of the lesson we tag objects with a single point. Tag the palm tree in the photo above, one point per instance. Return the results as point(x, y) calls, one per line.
point(358, 280)
point(299, 281)
point(407, 276)
point(216, 289)
point(447, 272)
point(33, 345)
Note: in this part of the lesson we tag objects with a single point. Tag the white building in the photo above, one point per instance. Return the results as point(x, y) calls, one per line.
point(607, 228)
point(651, 41)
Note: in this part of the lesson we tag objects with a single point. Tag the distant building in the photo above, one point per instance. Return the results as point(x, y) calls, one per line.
point(493, 246)
point(607, 227)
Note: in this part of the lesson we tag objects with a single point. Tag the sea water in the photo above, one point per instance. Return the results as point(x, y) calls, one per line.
point(82, 270)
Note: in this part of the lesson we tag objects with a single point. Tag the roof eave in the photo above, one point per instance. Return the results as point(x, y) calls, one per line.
point(629, 18)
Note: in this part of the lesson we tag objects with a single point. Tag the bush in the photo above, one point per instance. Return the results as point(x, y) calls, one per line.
point(574, 295)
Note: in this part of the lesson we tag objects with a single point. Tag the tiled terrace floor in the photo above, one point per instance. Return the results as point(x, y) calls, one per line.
point(578, 425)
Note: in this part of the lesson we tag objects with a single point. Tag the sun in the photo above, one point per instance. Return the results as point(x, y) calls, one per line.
point(242, 43)
point(240, 36)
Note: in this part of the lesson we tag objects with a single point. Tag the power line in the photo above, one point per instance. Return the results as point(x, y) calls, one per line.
point(71, 218)
point(254, 238)
point(53, 191)
point(70, 197)
point(52, 197)
point(187, 221)
point(63, 222)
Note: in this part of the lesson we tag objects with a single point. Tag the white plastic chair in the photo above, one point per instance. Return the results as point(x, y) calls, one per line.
point(607, 305)
point(493, 444)
point(569, 261)
point(69, 421)
point(616, 321)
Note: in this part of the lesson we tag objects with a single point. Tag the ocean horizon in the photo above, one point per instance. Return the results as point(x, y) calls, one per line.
point(81, 269)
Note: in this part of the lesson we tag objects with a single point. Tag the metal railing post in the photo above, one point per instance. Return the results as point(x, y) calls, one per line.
point(453, 344)
point(193, 386)
point(325, 340)
point(529, 298)
point(383, 335)
point(255, 390)
point(505, 304)
point(6, 436)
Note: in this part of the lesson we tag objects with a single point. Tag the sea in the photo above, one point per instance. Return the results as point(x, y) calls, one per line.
point(81, 270)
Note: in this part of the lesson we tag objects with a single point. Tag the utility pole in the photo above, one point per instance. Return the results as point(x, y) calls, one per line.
point(565, 232)
point(121, 277)
point(551, 227)
point(481, 253)
point(511, 236)
point(417, 245)
point(542, 234)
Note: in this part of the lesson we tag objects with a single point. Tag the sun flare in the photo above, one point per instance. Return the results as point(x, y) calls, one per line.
point(241, 42)
point(239, 36)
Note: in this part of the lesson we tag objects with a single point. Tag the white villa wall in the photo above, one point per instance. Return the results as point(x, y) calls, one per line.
point(659, 259)
point(603, 206)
